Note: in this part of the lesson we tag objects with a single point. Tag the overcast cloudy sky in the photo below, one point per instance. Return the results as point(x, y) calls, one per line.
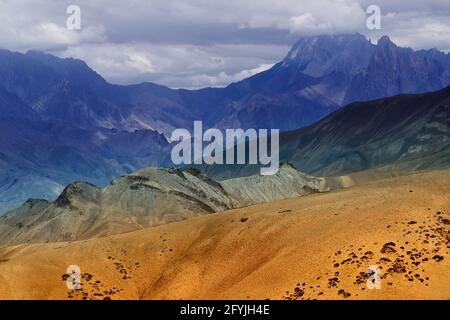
point(197, 43)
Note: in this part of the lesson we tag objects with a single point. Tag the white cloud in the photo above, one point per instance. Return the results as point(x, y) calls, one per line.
point(223, 78)
point(177, 66)
point(431, 34)
point(38, 26)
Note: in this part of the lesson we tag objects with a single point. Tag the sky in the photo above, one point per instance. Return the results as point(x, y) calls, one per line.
point(200, 43)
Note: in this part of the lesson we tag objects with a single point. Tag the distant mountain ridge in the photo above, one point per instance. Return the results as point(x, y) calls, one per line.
point(60, 121)
point(318, 75)
point(393, 70)
point(407, 132)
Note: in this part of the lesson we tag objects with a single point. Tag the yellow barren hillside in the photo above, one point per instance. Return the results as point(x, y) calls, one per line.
point(313, 247)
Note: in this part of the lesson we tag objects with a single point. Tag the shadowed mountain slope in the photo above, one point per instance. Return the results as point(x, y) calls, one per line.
point(405, 132)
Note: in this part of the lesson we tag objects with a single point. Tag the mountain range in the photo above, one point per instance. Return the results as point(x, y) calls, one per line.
point(408, 132)
point(61, 122)
point(149, 197)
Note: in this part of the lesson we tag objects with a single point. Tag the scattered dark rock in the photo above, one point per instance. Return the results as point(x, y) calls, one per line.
point(388, 248)
point(344, 293)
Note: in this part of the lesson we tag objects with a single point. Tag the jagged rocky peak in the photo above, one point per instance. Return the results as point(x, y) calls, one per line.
point(386, 41)
point(321, 55)
point(389, 51)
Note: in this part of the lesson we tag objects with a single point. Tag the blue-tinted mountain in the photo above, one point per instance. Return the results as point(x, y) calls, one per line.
point(323, 73)
point(393, 70)
point(318, 75)
point(441, 57)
